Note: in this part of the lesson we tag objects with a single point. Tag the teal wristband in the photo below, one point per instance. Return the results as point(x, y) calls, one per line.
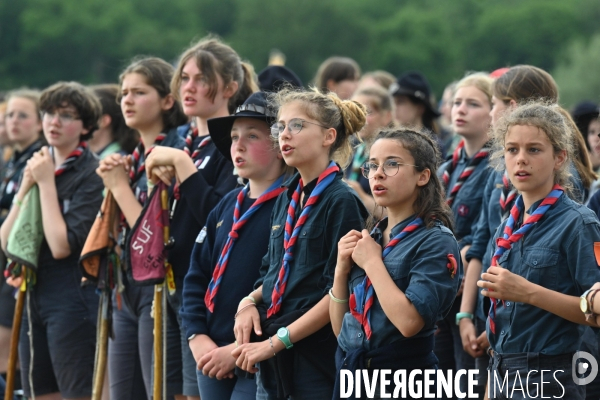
point(462, 315)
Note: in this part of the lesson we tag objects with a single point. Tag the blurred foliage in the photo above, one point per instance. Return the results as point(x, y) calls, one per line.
point(42, 41)
point(578, 72)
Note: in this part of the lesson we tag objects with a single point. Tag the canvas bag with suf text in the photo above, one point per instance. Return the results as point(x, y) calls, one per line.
point(145, 246)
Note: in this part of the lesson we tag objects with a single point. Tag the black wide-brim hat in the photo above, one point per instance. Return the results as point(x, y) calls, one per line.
point(415, 85)
point(255, 107)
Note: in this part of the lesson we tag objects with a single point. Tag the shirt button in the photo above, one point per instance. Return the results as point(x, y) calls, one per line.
point(360, 335)
point(303, 233)
point(535, 262)
point(502, 333)
point(508, 304)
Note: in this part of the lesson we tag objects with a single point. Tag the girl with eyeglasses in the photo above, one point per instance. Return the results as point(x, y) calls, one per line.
point(283, 325)
point(393, 284)
point(58, 333)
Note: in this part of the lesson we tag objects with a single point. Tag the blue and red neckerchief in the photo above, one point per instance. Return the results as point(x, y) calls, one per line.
point(510, 237)
point(363, 297)
point(189, 142)
point(507, 197)
point(138, 167)
point(238, 222)
point(465, 174)
point(71, 158)
point(292, 231)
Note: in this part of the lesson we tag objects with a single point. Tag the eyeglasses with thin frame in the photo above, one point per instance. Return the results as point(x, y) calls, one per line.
point(294, 126)
point(65, 118)
point(390, 168)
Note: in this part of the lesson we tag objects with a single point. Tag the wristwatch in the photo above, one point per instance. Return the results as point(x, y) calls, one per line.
point(283, 334)
point(462, 315)
point(584, 305)
point(192, 336)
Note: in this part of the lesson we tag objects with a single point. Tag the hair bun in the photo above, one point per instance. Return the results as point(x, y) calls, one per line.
point(354, 114)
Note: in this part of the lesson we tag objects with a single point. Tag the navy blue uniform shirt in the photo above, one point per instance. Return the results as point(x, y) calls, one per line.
point(558, 254)
point(337, 212)
point(418, 266)
point(241, 272)
point(199, 194)
point(467, 203)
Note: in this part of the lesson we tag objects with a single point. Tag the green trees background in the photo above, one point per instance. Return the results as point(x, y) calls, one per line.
point(42, 41)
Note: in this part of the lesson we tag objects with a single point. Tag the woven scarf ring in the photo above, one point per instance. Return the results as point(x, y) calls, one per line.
point(238, 222)
point(363, 297)
point(510, 236)
point(292, 230)
point(467, 172)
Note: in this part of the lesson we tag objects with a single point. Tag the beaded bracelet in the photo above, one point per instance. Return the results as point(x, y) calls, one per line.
point(17, 201)
point(335, 298)
point(242, 309)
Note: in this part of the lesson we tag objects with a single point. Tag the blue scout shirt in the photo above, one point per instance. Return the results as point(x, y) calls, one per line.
point(557, 253)
point(467, 203)
point(337, 212)
point(490, 218)
point(199, 195)
point(418, 266)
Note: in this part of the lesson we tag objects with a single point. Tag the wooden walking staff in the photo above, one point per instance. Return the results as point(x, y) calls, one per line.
point(22, 250)
point(159, 297)
point(100, 265)
point(14, 340)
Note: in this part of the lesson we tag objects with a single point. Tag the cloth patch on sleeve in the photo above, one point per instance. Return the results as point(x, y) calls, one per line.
point(452, 265)
point(597, 252)
point(201, 236)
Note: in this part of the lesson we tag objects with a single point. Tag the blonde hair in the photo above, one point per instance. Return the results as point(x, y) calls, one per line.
point(480, 80)
point(547, 117)
point(347, 117)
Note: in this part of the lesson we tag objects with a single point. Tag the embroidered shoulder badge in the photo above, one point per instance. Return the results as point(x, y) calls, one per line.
point(201, 236)
point(597, 252)
point(452, 265)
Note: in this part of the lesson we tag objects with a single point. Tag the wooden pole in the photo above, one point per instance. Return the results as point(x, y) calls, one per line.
point(14, 339)
point(101, 347)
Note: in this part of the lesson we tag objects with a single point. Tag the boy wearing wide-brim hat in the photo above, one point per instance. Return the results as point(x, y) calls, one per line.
point(228, 253)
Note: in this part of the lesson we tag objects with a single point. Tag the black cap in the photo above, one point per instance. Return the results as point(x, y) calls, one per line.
point(219, 129)
point(415, 85)
point(583, 113)
point(272, 78)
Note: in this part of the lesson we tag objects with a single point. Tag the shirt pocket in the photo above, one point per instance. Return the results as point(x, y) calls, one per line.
point(276, 246)
point(310, 245)
point(465, 214)
point(399, 270)
point(541, 264)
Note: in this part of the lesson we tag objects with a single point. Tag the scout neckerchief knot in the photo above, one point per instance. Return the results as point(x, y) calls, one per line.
point(213, 287)
point(189, 140)
point(467, 172)
point(509, 237)
point(293, 230)
point(507, 196)
point(71, 158)
point(363, 297)
point(137, 167)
